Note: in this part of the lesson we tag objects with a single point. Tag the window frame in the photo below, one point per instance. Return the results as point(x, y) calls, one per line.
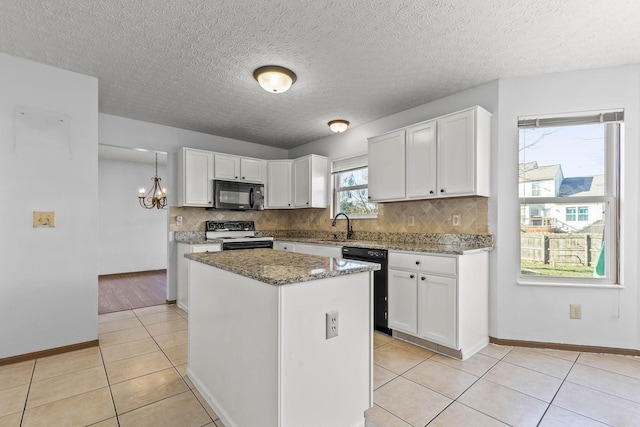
point(583, 216)
point(614, 131)
point(336, 189)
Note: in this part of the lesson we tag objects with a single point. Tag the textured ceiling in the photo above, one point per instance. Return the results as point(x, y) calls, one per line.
point(189, 63)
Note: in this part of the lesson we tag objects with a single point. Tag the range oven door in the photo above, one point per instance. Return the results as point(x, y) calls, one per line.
point(237, 196)
point(230, 246)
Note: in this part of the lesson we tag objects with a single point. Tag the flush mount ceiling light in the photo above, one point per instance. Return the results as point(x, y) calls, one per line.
point(338, 126)
point(274, 79)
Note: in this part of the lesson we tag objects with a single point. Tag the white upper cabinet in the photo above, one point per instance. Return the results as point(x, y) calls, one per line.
point(235, 168)
point(457, 147)
point(444, 157)
point(310, 182)
point(252, 169)
point(195, 176)
point(279, 184)
point(421, 160)
point(227, 167)
point(298, 183)
point(386, 166)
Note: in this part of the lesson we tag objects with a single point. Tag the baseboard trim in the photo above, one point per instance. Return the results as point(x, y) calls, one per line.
point(171, 301)
point(131, 273)
point(48, 352)
point(566, 347)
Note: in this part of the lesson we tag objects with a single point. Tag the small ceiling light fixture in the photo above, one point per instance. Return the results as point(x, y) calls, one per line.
point(274, 79)
point(338, 126)
point(157, 197)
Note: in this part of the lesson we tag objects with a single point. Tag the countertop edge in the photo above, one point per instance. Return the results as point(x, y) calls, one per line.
point(207, 259)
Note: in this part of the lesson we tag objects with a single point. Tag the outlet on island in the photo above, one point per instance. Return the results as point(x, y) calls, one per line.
point(332, 324)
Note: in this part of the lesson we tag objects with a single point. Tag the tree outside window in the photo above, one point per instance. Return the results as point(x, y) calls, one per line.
point(352, 194)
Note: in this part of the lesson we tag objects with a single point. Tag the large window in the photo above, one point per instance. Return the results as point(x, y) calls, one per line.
point(569, 232)
point(350, 184)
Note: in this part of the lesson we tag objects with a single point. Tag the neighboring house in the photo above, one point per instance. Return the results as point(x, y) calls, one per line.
point(549, 181)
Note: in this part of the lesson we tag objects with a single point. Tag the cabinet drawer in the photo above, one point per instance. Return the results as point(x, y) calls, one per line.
point(206, 248)
point(442, 265)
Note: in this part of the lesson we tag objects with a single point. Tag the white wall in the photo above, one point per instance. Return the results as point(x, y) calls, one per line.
point(124, 132)
point(48, 277)
point(130, 238)
point(609, 316)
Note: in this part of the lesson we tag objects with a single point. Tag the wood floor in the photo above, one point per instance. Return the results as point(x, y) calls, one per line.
point(126, 291)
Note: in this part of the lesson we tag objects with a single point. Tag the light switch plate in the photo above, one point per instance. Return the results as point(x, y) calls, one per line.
point(44, 219)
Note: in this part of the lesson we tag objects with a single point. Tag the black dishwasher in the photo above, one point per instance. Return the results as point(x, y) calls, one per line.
point(380, 304)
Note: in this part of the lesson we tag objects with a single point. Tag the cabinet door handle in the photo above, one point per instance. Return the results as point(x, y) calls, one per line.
point(368, 197)
point(417, 262)
point(412, 276)
point(423, 278)
point(236, 177)
point(243, 177)
point(307, 202)
point(431, 192)
point(442, 190)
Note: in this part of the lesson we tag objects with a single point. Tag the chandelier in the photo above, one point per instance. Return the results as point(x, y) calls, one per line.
point(157, 196)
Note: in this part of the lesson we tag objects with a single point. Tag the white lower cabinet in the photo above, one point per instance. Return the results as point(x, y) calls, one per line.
point(403, 308)
point(437, 309)
point(284, 246)
point(331, 251)
point(443, 299)
point(182, 300)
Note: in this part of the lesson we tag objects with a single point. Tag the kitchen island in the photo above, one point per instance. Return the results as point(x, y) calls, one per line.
point(258, 346)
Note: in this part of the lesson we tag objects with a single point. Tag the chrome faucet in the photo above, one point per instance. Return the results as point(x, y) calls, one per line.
point(349, 229)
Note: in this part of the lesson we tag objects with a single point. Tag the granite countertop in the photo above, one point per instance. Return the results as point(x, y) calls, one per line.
point(428, 243)
point(438, 248)
point(280, 267)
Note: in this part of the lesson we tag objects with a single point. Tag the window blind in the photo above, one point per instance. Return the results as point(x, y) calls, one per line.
point(571, 120)
point(349, 163)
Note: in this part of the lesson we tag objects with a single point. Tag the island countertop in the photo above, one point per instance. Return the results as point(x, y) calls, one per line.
point(280, 267)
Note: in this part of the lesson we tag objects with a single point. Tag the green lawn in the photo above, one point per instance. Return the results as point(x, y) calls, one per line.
point(559, 270)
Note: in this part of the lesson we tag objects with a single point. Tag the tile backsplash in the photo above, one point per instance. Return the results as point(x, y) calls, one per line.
point(429, 216)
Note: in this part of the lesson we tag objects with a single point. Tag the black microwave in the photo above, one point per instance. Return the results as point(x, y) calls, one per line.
point(237, 196)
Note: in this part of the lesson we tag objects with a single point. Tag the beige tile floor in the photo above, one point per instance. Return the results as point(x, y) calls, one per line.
point(137, 377)
point(502, 386)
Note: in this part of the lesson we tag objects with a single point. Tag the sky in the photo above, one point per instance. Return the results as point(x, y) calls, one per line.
point(578, 149)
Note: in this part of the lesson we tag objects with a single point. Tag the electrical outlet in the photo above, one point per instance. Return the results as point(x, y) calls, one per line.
point(411, 221)
point(179, 220)
point(332, 324)
point(455, 220)
point(575, 311)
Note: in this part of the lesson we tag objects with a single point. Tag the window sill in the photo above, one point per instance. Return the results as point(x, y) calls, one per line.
point(569, 285)
point(357, 217)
